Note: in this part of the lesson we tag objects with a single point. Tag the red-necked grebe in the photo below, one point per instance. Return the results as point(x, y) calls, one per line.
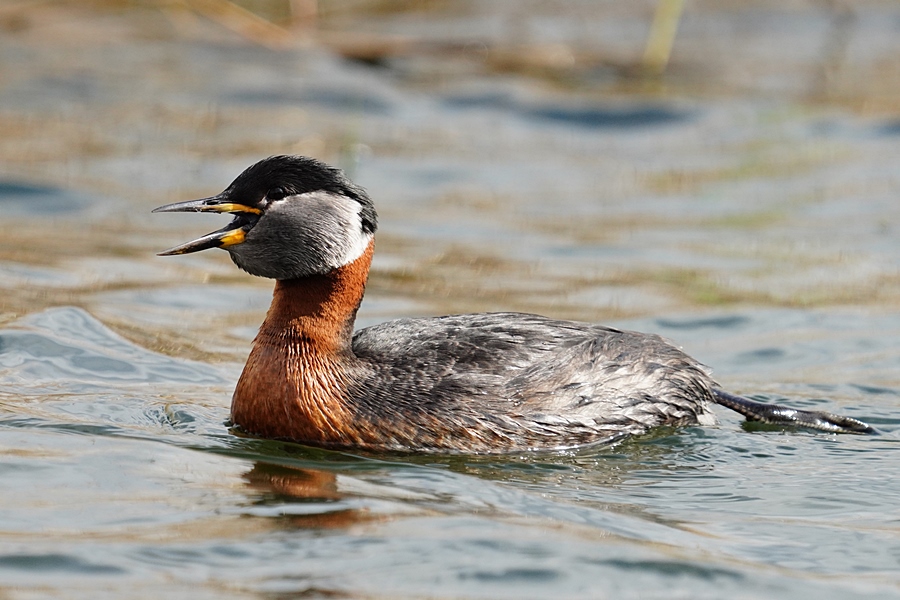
point(479, 383)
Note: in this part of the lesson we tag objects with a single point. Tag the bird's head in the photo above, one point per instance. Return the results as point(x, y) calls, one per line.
point(293, 217)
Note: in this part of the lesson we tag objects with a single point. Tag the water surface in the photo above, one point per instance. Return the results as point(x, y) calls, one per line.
point(755, 227)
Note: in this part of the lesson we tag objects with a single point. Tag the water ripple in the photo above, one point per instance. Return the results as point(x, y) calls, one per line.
point(68, 344)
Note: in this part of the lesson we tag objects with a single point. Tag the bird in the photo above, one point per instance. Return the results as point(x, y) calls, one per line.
point(485, 383)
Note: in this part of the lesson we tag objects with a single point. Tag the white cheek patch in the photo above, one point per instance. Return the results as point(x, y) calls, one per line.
point(350, 239)
point(359, 242)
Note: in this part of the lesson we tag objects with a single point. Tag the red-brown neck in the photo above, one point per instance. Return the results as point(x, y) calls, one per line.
point(293, 385)
point(320, 309)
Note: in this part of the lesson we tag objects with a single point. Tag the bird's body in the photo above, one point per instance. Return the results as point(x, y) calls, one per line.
point(479, 383)
point(482, 383)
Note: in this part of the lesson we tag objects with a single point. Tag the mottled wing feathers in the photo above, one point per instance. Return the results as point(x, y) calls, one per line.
point(528, 379)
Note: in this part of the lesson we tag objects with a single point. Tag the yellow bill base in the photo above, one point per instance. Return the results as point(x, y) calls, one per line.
point(231, 238)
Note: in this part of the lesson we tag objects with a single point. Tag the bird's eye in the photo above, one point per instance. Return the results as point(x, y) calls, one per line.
point(276, 194)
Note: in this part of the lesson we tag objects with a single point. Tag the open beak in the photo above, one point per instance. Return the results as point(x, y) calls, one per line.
point(245, 217)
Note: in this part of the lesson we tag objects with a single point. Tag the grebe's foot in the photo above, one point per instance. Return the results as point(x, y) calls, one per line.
point(777, 414)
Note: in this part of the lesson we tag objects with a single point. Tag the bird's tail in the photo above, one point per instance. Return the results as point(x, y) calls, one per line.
point(777, 414)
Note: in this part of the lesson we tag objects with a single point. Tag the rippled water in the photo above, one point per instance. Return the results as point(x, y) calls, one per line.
point(758, 231)
point(119, 477)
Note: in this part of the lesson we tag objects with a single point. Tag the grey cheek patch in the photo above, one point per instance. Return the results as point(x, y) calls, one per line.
point(304, 235)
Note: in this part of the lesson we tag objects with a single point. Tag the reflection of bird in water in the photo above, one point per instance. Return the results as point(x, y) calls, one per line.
point(289, 483)
point(317, 490)
point(492, 382)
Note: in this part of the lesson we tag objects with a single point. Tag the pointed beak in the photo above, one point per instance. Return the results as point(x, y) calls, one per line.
point(245, 217)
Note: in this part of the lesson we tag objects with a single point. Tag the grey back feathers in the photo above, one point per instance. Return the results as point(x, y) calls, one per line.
point(517, 380)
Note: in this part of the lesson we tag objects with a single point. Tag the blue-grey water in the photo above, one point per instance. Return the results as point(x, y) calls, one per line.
point(746, 206)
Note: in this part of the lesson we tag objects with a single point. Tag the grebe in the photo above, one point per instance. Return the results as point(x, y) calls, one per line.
point(476, 383)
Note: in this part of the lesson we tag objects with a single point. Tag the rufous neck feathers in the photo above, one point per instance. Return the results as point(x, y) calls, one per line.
point(319, 309)
point(293, 385)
